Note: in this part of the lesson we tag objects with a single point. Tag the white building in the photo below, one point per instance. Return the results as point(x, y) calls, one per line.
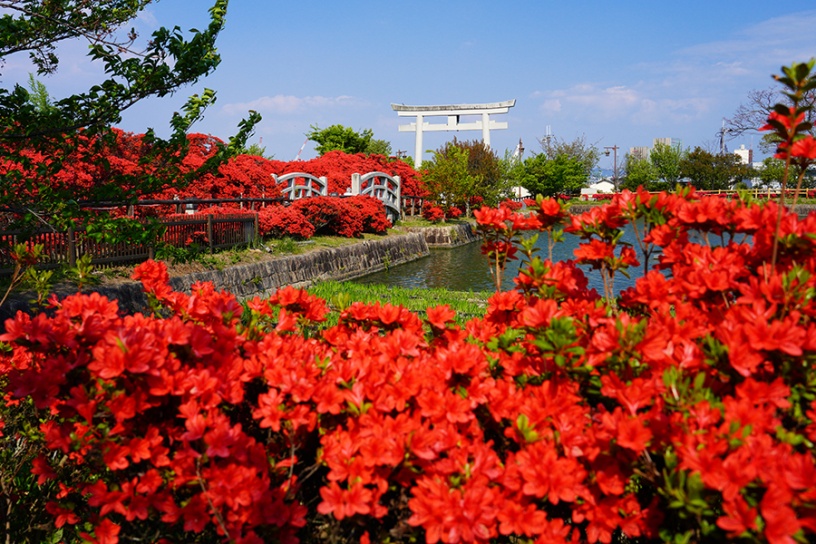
point(602, 187)
point(746, 155)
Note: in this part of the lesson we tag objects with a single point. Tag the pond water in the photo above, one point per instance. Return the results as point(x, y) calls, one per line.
point(464, 268)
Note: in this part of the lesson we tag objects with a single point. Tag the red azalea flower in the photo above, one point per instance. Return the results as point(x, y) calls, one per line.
point(344, 503)
point(804, 148)
point(787, 121)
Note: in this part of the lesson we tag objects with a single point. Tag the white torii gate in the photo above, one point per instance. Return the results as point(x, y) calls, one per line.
point(452, 112)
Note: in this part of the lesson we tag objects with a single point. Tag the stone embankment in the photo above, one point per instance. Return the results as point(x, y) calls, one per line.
point(447, 236)
point(339, 264)
point(264, 278)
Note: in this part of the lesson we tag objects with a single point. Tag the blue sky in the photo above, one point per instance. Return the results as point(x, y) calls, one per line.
point(617, 73)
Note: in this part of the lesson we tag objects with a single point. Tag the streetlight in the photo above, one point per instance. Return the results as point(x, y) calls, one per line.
point(614, 149)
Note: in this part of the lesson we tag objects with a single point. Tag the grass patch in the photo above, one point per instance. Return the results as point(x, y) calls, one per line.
point(419, 221)
point(339, 295)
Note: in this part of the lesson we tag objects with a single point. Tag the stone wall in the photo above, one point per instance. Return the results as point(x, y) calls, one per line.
point(447, 236)
point(264, 278)
point(339, 264)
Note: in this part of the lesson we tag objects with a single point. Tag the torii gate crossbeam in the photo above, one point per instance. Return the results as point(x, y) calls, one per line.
point(453, 113)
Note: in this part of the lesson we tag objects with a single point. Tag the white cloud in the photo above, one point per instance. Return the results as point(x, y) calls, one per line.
point(587, 100)
point(148, 18)
point(590, 103)
point(754, 52)
point(287, 104)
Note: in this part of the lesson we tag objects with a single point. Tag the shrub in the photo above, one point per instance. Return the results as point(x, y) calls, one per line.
point(433, 213)
point(280, 221)
point(454, 212)
point(373, 212)
point(331, 215)
point(681, 410)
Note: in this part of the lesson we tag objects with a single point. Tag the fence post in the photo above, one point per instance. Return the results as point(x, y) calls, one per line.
point(355, 184)
point(399, 196)
point(210, 233)
point(257, 229)
point(325, 190)
point(72, 256)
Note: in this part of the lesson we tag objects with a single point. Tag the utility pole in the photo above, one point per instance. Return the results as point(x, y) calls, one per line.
point(614, 149)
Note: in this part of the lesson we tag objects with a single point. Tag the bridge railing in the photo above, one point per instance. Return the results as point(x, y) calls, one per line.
point(382, 186)
point(302, 185)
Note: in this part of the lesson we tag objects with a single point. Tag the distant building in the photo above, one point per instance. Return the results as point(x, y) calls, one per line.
point(602, 187)
point(746, 155)
point(639, 153)
point(671, 142)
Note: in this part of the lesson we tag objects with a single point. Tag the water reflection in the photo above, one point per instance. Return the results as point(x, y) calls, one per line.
point(464, 268)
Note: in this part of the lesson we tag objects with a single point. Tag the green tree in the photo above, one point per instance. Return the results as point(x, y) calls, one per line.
point(347, 140)
point(486, 168)
point(38, 95)
point(772, 172)
point(711, 172)
point(577, 149)
point(550, 176)
point(379, 147)
point(168, 61)
point(257, 150)
point(512, 171)
point(640, 172)
point(666, 161)
point(448, 179)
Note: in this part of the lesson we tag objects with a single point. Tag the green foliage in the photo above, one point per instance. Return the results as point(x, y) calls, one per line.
point(125, 230)
point(24, 257)
point(346, 139)
point(37, 27)
point(711, 172)
point(640, 172)
point(561, 167)
point(550, 176)
point(180, 255)
point(666, 160)
point(772, 172)
point(462, 170)
point(256, 150)
point(577, 149)
point(39, 96)
point(378, 147)
point(491, 182)
point(447, 179)
point(168, 61)
point(84, 121)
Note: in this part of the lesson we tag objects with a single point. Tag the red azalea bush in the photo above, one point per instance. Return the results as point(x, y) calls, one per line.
point(514, 205)
point(280, 221)
point(373, 212)
point(338, 166)
point(432, 213)
point(331, 215)
point(681, 410)
point(454, 212)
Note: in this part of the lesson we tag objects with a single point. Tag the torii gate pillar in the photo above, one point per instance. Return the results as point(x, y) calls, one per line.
point(452, 112)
